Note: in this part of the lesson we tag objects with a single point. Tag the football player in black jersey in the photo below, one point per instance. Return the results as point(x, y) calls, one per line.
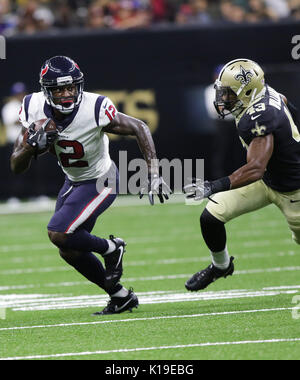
point(266, 124)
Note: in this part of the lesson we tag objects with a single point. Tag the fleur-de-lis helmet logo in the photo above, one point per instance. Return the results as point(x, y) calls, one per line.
point(244, 76)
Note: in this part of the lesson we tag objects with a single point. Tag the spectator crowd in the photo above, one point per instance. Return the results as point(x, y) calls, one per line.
point(34, 16)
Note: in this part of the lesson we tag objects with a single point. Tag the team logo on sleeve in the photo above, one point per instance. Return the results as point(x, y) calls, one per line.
point(244, 76)
point(259, 130)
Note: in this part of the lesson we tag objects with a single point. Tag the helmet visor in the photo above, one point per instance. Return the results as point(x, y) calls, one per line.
point(64, 98)
point(64, 95)
point(226, 100)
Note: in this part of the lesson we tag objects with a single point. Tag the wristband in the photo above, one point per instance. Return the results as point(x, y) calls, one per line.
point(219, 185)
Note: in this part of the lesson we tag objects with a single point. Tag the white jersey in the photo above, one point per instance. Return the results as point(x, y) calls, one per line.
point(81, 148)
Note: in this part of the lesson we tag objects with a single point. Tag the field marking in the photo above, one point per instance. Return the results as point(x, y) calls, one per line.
point(249, 234)
point(25, 247)
point(157, 239)
point(282, 287)
point(148, 319)
point(138, 349)
point(49, 205)
point(150, 278)
point(134, 279)
point(9, 272)
point(87, 283)
point(131, 240)
point(38, 302)
point(171, 260)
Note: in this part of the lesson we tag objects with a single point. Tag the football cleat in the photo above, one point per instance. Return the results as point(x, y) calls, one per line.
point(118, 305)
point(113, 263)
point(205, 277)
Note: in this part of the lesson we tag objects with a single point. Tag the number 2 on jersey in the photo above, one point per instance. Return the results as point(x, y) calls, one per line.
point(77, 154)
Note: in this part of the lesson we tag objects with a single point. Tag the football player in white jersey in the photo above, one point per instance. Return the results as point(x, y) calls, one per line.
point(81, 146)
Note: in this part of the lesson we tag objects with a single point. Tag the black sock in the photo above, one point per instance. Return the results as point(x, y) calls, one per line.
point(82, 240)
point(213, 232)
point(90, 267)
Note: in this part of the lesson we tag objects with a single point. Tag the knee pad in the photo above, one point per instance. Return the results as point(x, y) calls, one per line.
point(207, 218)
point(57, 238)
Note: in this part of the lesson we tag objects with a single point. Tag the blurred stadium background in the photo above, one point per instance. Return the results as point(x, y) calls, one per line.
point(156, 59)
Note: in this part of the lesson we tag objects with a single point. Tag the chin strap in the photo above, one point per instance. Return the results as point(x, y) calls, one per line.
point(62, 109)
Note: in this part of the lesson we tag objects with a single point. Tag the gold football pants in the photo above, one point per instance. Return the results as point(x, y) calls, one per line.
point(233, 203)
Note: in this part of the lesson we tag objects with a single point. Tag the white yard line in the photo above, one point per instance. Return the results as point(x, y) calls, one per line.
point(25, 247)
point(15, 272)
point(144, 240)
point(138, 349)
point(31, 302)
point(49, 205)
point(50, 257)
point(10, 272)
point(149, 319)
point(6, 288)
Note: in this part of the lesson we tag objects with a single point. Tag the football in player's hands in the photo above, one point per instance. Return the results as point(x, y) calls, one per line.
point(41, 135)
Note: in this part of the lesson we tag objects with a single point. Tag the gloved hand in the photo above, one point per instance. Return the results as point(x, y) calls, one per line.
point(155, 185)
point(41, 140)
point(198, 189)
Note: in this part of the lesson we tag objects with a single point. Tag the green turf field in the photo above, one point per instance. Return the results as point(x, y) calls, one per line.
point(46, 306)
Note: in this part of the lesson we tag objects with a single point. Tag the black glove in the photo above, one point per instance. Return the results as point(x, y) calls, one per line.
point(41, 140)
point(155, 185)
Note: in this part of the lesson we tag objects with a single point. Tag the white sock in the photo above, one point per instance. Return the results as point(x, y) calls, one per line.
point(221, 259)
point(111, 247)
point(121, 293)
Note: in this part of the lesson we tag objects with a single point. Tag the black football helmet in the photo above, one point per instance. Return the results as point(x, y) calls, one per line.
point(61, 71)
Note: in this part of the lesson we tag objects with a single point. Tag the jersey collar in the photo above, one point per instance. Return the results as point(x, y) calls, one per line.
point(257, 99)
point(61, 124)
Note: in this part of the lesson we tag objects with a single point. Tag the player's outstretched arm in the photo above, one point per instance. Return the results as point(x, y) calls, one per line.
point(129, 126)
point(22, 155)
point(258, 156)
point(259, 153)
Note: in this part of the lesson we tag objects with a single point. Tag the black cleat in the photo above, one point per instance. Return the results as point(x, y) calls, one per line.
point(113, 263)
point(118, 305)
point(205, 277)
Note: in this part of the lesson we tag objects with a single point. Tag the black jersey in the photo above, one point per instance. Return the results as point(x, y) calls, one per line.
point(267, 115)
